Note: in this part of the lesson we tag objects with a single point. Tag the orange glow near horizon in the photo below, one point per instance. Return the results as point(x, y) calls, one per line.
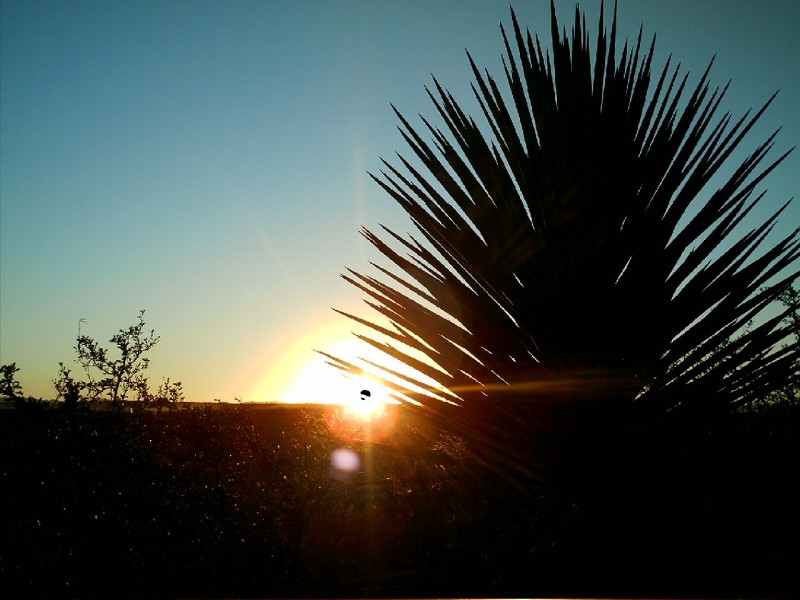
point(364, 403)
point(303, 376)
point(362, 396)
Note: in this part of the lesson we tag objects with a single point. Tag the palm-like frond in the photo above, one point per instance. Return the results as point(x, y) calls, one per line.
point(570, 271)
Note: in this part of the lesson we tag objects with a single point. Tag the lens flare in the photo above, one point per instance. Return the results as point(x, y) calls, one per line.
point(344, 460)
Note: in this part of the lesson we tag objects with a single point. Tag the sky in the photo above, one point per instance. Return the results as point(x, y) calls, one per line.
point(207, 161)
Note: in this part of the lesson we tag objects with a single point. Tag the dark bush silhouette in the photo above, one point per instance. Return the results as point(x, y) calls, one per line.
point(10, 388)
point(592, 316)
point(119, 376)
point(213, 500)
point(236, 500)
point(575, 275)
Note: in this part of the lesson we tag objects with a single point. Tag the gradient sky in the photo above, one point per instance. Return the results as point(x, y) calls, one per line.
point(206, 161)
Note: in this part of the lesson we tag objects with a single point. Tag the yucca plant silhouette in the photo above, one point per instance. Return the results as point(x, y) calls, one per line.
point(575, 274)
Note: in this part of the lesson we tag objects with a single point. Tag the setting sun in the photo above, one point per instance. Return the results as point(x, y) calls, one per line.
point(372, 399)
point(318, 381)
point(305, 376)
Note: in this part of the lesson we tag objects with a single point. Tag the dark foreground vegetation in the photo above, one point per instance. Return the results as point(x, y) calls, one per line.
point(227, 500)
point(624, 417)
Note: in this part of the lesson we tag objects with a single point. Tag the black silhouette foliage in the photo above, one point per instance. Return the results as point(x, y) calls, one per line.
point(10, 388)
point(575, 273)
point(120, 377)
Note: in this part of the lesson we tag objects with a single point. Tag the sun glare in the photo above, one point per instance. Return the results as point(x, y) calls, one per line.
point(364, 397)
point(372, 399)
point(303, 376)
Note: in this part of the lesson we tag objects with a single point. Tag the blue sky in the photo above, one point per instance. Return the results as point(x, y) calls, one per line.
point(206, 161)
